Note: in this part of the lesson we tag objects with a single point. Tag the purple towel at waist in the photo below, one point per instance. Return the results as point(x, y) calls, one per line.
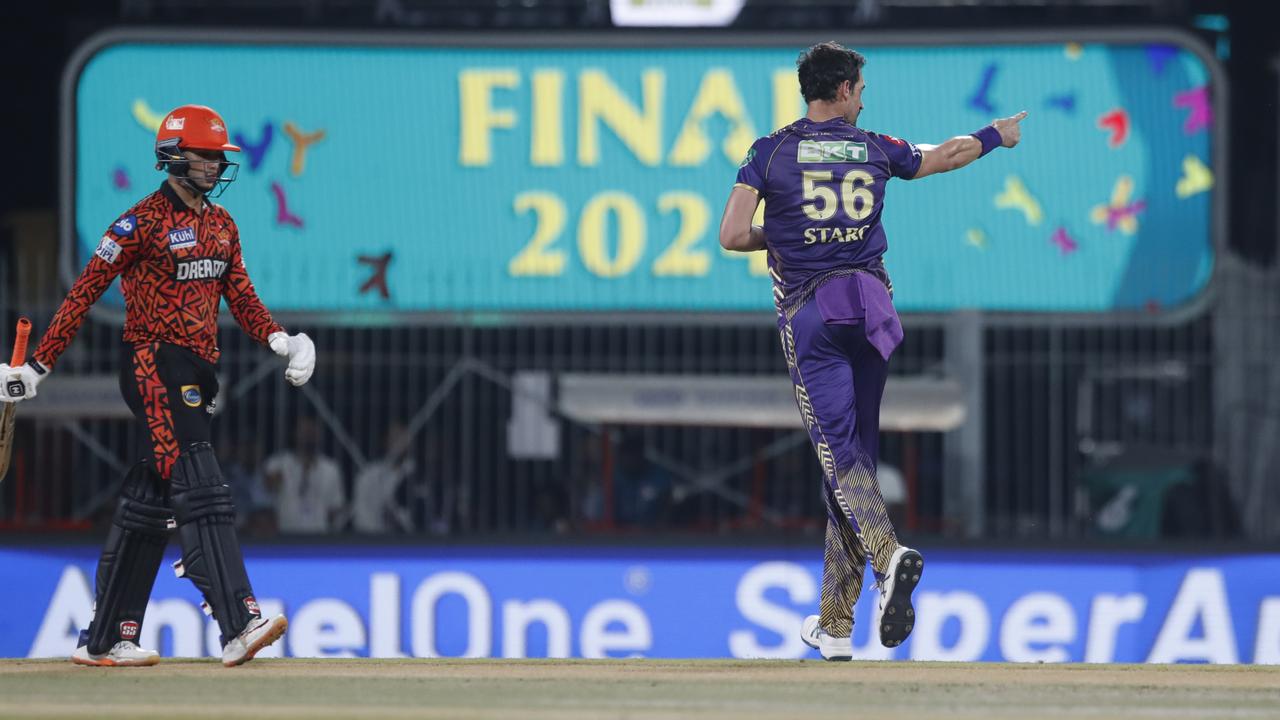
point(862, 298)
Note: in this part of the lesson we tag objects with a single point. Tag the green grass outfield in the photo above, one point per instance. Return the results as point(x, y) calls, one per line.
point(729, 689)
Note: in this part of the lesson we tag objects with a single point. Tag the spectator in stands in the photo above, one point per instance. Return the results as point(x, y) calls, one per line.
point(893, 488)
point(378, 504)
point(641, 489)
point(1202, 507)
point(586, 480)
point(550, 507)
point(437, 487)
point(307, 486)
point(254, 509)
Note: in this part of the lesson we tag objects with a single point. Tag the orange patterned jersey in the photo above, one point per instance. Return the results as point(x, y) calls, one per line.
point(176, 265)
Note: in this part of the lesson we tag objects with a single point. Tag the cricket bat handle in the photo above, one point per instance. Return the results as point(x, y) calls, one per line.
point(20, 344)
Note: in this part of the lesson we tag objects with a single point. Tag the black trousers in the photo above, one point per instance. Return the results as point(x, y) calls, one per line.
point(171, 392)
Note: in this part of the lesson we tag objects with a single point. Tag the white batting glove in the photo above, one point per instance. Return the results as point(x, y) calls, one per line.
point(19, 383)
point(301, 353)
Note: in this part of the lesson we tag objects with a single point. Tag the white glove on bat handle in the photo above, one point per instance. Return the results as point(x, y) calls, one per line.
point(19, 383)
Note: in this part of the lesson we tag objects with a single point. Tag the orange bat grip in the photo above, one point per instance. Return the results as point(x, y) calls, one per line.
point(20, 344)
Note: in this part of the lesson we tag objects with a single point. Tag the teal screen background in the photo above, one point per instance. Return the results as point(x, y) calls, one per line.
point(388, 185)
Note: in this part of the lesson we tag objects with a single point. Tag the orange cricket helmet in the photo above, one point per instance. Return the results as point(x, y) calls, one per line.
point(193, 127)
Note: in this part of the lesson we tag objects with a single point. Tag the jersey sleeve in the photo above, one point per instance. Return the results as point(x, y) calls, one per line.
point(904, 157)
point(120, 247)
point(751, 173)
point(243, 300)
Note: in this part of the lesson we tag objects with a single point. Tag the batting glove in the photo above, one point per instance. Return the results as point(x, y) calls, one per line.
point(19, 383)
point(301, 353)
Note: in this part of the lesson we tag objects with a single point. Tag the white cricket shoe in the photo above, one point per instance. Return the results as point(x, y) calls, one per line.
point(832, 648)
point(897, 616)
point(122, 654)
point(259, 633)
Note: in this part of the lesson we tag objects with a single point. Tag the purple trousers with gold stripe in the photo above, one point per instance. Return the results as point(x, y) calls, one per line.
point(839, 380)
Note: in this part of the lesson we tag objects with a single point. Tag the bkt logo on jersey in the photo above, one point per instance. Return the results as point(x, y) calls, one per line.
point(182, 238)
point(201, 269)
point(831, 151)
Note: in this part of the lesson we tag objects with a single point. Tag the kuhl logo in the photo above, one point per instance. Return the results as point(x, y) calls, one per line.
point(128, 630)
point(183, 237)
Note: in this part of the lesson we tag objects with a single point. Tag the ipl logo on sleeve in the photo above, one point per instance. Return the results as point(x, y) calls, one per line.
point(108, 250)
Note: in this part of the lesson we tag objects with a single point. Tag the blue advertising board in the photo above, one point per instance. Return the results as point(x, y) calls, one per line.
point(518, 177)
point(679, 603)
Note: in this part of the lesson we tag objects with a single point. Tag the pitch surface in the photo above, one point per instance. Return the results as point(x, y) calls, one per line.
point(639, 689)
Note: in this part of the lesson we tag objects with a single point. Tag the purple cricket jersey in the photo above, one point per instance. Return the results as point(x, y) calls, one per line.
point(823, 186)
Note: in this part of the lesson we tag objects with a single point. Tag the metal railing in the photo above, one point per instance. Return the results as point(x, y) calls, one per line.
point(1182, 414)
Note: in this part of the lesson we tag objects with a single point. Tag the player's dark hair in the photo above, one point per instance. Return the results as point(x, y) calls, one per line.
point(824, 66)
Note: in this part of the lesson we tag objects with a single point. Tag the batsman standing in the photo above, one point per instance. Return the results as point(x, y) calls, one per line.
point(179, 255)
point(822, 180)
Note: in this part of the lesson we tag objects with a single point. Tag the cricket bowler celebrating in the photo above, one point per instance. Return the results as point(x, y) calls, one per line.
point(822, 180)
point(179, 255)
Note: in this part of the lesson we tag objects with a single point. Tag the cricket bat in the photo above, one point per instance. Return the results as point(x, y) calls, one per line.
point(10, 409)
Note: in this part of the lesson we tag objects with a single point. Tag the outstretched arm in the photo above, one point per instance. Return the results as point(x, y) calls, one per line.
point(119, 247)
point(964, 149)
point(736, 231)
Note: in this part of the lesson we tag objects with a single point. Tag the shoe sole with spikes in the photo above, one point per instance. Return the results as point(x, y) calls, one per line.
point(898, 616)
